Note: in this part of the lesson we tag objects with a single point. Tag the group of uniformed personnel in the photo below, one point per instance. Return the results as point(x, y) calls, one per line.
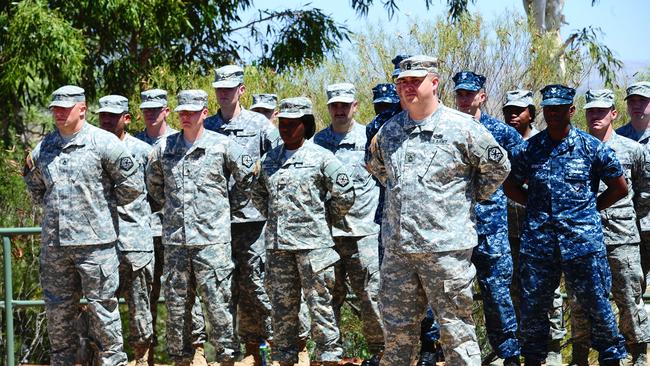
point(262, 230)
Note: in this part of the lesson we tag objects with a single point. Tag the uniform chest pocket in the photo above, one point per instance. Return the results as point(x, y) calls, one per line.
point(297, 180)
point(577, 179)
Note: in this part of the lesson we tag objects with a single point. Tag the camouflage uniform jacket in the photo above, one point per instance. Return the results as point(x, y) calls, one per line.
point(142, 135)
point(79, 183)
point(135, 217)
point(619, 220)
point(257, 135)
point(191, 184)
point(350, 151)
point(492, 214)
point(373, 127)
point(517, 212)
point(642, 205)
point(300, 195)
point(562, 185)
point(434, 171)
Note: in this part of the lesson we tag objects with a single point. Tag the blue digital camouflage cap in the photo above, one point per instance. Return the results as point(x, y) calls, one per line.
point(264, 101)
point(557, 94)
point(153, 98)
point(641, 88)
point(468, 80)
point(519, 98)
point(396, 61)
point(228, 77)
point(599, 98)
point(192, 100)
point(385, 93)
point(115, 104)
point(67, 96)
point(341, 93)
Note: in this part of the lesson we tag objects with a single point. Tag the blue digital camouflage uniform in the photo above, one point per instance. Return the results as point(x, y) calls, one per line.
point(563, 230)
point(78, 180)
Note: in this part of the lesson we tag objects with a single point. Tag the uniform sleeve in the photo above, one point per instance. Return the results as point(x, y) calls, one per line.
point(641, 186)
point(241, 166)
point(259, 193)
point(34, 178)
point(490, 160)
point(519, 164)
point(338, 182)
point(376, 165)
point(606, 164)
point(155, 178)
point(270, 138)
point(123, 170)
point(513, 141)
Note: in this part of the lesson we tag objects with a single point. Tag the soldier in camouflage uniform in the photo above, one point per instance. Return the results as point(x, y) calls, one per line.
point(78, 173)
point(355, 236)
point(301, 187)
point(188, 176)
point(134, 242)
point(562, 167)
point(256, 134)
point(155, 111)
point(436, 163)
point(621, 236)
point(265, 104)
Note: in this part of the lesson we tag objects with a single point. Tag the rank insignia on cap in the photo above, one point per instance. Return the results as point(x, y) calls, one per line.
point(495, 154)
point(126, 163)
point(247, 160)
point(342, 179)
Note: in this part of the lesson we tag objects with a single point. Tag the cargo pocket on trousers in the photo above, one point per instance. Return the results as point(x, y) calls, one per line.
point(459, 292)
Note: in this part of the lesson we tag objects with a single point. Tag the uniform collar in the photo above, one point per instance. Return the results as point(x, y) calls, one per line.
point(429, 123)
point(81, 139)
point(347, 137)
point(565, 145)
point(297, 158)
point(200, 143)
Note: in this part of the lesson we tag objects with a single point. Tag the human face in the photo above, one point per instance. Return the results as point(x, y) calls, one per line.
point(468, 101)
point(380, 107)
point(599, 119)
point(292, 132)
point(69, 120)
point(638, 107)
point(558, 116)
point(414, 91)
point(342, 113)
point(268, 113)
point(517, 117)
point(154, 117)
point(191, 120)
point(113, 122)
point(229, 97)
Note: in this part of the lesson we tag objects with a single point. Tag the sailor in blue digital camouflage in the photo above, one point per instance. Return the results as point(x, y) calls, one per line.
point(436, 163)
point(621, 236)
point(155, 112)
point(134, 242)
point(519, 112)
point(188, 176)
point(562, 167)
point(355, 236)
point(257, 135)
point(492, 254)
point(78, 173)
point(301, 188)
point(266, 105)
point(638, 129)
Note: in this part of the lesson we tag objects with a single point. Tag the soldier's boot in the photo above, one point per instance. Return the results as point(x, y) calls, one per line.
point(428, 354)
point(639, 353)
point(374, 360)
point(554, 356)
point(512, 361)
point(140, 357)
point(580, 355)
point(303, 353)
point(199, 356)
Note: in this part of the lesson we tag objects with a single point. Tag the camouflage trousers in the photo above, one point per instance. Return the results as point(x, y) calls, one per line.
point(199, 336)
point(627, 277)
point(359, 264)
point(136, 277)
point(644, 248)
point(67, 273)
point(555, 314)
point(410, 282)
point(252, 304)
point(290, 274)
point(494, 274)
point(305, 320)
point(205, 270)
point(588, 277)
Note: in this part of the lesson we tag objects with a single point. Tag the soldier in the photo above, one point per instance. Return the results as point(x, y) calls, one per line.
point(134, 242)
point(300, 186)
point(435, 163)
point(256, 135)
point(638, 129)
point(188, 176)
point(265, 104)
point(562, 166)
point(492, 256)
point(621, 237)
point(78, 173)
point(155, 111)
point(355, 236)
point(519, 112)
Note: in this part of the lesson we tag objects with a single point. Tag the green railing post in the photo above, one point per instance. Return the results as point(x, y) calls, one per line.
point(9, 301)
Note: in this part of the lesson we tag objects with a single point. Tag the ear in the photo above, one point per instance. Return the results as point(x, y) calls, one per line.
point(127, 118)
point(614, 114)
point(242, 89)
point(572, 111)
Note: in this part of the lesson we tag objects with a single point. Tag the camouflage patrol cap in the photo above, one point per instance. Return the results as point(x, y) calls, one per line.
point(519, 98)
point(153, 98)
point(418, 66)
point(556, 94)
point(641, 88)
point(228, 76)
point(193, 100)
point(264, 101)
point(115, 104)
point(396, 61)
point(599, 98)
point(468, 80)
point(299, 108)
point(342, 93)
point(67, 96)
point(385, 93)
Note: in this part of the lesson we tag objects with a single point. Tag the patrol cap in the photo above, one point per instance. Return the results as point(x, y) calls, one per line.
point(115, 104)
point(299, 107)
point(385, 93)
point(519, 98)
point(192, 100)
point(228, 76)
point(153, 98)
point(556, 94)
point(342, 93)
point(396, 61)
point(265, 101)
point(599, 98)
point(67, 96)
point(468, 80)
point(417, 66)
point(641, 88)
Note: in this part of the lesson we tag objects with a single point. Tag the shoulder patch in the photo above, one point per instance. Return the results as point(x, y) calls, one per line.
point(126, 164)
point(495, 154)
point(342, 179)
point(247, 160)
